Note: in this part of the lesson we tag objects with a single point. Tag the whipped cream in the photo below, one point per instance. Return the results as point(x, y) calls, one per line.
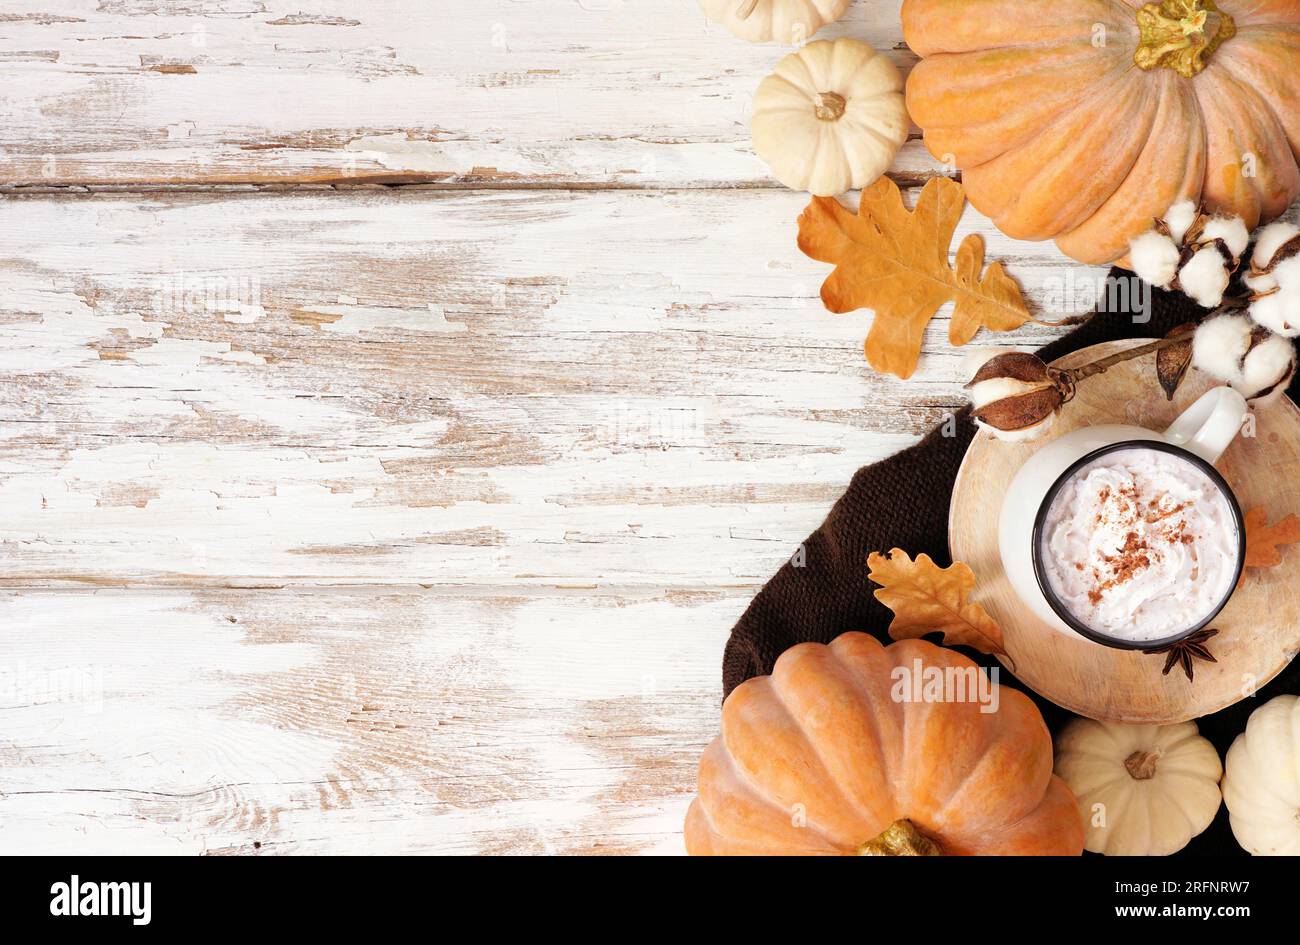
point(1140, 544)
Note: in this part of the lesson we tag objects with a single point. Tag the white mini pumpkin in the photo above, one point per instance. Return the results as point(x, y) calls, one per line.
point(1262, 783)
point(831, 117)
point(789, 21)
point(1143, 790)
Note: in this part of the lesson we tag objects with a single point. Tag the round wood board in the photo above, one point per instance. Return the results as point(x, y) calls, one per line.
point(1259, 630)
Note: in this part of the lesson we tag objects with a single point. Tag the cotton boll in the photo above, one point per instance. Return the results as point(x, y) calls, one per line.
point(1180, 218)
point(1154, 257)
point(1205, 277)
point(1260, 283)
point(1270, 240)
point(1279, 313)
point(1283, 274)
point(1219, 345)
point(1269, 397)
point(999, 388)
point(1266, 369)
point(1233, 232)
point(1286, 275)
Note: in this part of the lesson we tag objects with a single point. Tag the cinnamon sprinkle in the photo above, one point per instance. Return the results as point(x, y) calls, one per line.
point(1131, 559)
point(1123, 506)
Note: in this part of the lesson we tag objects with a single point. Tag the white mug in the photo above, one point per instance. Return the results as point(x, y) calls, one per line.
point(1200, 435)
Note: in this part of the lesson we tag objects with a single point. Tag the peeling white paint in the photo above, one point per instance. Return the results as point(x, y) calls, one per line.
point(477, 389)
point(631, 94)
point(353, 319)
point(519, 454)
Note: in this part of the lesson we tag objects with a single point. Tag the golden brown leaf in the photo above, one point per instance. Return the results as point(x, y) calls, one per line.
point(926, 598)
point(1262, 539)
point(895, 261)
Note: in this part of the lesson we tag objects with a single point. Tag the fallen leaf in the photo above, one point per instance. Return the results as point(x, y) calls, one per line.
point(1262, 539)
point(1172, 362)
point(926, 598)
point(895, 261)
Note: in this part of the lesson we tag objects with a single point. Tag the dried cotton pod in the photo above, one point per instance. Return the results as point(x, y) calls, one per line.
point(1255, 362)
point(1192, 252)
point(1231, 231)
point(1220, 344)
point(1279, 312)
point(1274, 279)
point(1179, 219)
point(1274, 243)
point(1204, 277)
point(1172, 362)
point(1267, 369)
point(1155, 258)
point(1016, 396)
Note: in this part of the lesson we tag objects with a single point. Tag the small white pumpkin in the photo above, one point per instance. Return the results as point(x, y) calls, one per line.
point(1262, 783)
point(789, 21)
point(1143, 790)
point(831, 117)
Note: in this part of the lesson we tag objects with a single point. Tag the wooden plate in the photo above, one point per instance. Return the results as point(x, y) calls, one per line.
point(1259, 630)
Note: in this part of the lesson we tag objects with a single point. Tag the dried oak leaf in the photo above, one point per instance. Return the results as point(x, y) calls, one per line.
point(1262, 539)
point(1172, 362)
point(895, 261)
point(926, 598)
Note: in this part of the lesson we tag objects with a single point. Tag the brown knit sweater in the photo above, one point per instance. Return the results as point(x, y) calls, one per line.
point(902, 502)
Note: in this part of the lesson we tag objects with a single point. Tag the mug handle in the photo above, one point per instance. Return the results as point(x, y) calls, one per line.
point(1209, 425)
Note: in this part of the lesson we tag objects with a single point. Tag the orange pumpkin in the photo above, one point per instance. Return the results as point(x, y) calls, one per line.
point(839, 751)
point(1082, 120)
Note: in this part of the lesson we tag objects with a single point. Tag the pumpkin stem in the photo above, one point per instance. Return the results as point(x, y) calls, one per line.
point(1181, 35)
point(745, 8)
point(901, 838)
point(829, 106)
point(1142, 764)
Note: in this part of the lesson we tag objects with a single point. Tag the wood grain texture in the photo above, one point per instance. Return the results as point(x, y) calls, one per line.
point(362, 721)
point(489, 388)
point(479, 93)
point(385, 456)
point(1259, 630)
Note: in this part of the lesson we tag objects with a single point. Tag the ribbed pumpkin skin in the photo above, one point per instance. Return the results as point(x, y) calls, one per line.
point(1261, 784)
point(1060, 138)
point(819, 758)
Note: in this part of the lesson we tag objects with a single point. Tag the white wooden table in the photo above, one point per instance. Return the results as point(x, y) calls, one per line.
point(401, 401)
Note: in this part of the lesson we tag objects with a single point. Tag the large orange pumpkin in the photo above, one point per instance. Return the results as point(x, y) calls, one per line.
point(1082, 120)
point(837, 752)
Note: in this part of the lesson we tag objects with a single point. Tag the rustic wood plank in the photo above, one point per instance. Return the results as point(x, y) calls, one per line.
point(584, 397)
point(482, 94)
point(354, 721)
point(436, 388)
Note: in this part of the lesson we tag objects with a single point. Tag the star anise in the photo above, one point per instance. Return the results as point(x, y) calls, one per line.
point(1185, 652)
